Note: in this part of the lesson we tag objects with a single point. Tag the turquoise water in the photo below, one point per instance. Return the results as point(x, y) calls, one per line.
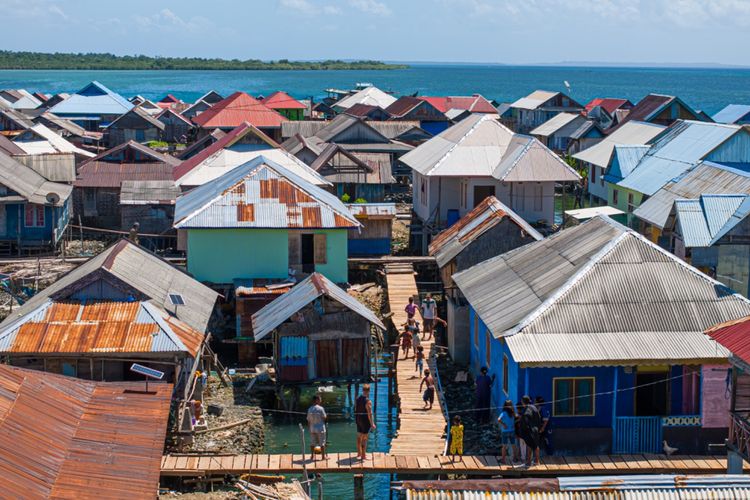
point(705, 89)
point(283, 435)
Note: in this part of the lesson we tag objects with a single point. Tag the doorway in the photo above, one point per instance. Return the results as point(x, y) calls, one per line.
point(308, 253)
point(652, 393)
point(482, 192)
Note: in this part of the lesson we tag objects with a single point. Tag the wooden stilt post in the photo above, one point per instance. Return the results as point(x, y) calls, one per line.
point(359, 487)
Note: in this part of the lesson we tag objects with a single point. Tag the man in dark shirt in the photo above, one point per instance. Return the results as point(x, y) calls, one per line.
point(484, 395)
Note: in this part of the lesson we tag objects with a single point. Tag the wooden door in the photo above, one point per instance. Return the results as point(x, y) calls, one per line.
point(354, 357)
point(327, 359)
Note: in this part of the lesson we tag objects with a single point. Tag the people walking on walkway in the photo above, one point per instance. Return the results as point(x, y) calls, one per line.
point(406, 342)
point(429, 393)
point(316, 420)
point(411, 308)
point(419, 360)
point(429, 312)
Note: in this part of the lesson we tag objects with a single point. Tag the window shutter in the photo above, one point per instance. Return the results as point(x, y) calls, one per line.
point(39, 216)
point(321, 253)
point(29, 215)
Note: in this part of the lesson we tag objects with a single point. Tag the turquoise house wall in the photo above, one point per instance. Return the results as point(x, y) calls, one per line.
point(222, 255)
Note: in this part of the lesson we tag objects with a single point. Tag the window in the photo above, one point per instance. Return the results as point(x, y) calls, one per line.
point(573, 396)
point(34, 216)
point(505, 374)
point(631, 206)
point(476, 331)
point(422, 192)
point(487, 347)
point(615, 197)
point(538, 195)
point(593, 174)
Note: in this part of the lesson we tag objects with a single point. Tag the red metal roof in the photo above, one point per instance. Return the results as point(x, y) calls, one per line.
point(406, 103)
point(735, 336)
point(170, 99)
point(224, 142)
point(609, 104)
point(63, 437)
point(282, 100)
point(237, 109)
point(360, 109)
point(474, 103)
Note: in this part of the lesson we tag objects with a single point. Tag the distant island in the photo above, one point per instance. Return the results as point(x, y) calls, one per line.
point(40, 60)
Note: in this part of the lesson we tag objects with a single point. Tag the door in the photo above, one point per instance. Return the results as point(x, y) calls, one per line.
point(307, 251)
point(327, 359)
point(482, 192)
point(652, 393)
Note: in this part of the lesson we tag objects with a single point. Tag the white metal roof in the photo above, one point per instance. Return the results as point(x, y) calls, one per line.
point(632, 132)
point(47, 141)
point(481, 146)
point(591, 212)
point(534, 100)
point(554, 124)
point(372, 96)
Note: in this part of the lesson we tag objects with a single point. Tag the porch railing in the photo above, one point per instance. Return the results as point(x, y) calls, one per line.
point(637, 435)
point(739, 435)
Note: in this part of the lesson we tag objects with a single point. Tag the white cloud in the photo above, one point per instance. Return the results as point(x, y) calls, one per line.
point(331, 10)
point(33, 9)
point(371, 7)
point(695, 13)
point(302, 6)
point(166, 19)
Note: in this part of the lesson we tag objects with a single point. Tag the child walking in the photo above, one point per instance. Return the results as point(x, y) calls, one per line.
point(457, 437)
point(507, 421)
point(429, 393)
point(420, 360)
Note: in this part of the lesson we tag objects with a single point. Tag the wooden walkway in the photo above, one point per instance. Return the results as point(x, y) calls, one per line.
point(194, 465)
point(420, 432)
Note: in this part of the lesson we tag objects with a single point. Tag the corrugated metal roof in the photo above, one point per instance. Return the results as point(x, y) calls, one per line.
point(305, 128)
point(472, 103)
point(338, 165)
point(93, 99)
point(237, 109)
point(609, 104)
point(703, 221)
point(624, 161)
point(341, 123)
point(704, 178)
point(145, 272)
point(481, 146)
point(369, 95)
point(139, 152)
point(261, 194)
point(307, 290)
point(57, 433)
point(282, 100)
point(733, 336)
point(633, 132)
point(554, 124)
point(534, 100)
point(140, 113)
point(599, 293)
point(9, 147)
point(29, 184)
point(733, 113)
point(490, 212)
point(40, 139)
point(148, 192)
point(104, 174)
point(100, 327)
point(681, 147)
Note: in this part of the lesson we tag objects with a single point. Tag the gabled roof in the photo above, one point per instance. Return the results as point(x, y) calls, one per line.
point(93, 99)
point(341, 123)
point(171, 113)
point(337, 165)
point(140, 113)
point(261, 194)
point(229, 152)
point(473, 104)
point(211, 97)
point(481, 146)
point(599, 294)
point(201, 144)
point(369, 95)
point(297, 143)
point(237, 109)
point(147, 273)
point(703, 221)
point(40, 139)
point(609, 104)
point(304, 128)
point(679, 148)
point(704, 178)
point(554, 124)
point(196, 108)
point(446, 245)
point(733, 113)
point(733, 335)
point(624, 160)
point(9, 147)
point(30, 185)
point(365, 110)
point(403, 105)
point(282, 100)
point(59, 432)
point(535, 100)
point(143, 153)
point(650, 106)
point(314, 286)
point(169, 99)
point(634, 132)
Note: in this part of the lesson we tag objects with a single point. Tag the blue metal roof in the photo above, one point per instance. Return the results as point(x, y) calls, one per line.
point(677, 150)
point(625, 158)
point(733, 113)
point(93, 99)
point(702, 220)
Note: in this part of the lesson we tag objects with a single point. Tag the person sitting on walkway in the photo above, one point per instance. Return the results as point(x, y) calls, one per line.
point(429, 393)
point(507, 421)
point(411, 308)
point(363, 419)
point(406, 342)
point(531, 422)
point(316, 420)
point(457, 437)
point(429, 312)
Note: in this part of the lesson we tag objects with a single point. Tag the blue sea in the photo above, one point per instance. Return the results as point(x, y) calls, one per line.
point(708, 90)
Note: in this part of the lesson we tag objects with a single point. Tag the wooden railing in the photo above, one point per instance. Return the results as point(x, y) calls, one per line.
point(739, 435)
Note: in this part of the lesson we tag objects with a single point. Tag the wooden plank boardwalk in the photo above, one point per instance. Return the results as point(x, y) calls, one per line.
point(203, 465)
point(420, 432)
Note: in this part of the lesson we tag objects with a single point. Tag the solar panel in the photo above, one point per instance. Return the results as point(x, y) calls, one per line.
point(145, 370)
point(176, 299)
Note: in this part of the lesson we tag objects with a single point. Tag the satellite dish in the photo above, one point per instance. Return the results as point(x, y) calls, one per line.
point(53, 198)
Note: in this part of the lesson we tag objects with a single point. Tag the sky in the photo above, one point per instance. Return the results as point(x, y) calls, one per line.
point(488, 31)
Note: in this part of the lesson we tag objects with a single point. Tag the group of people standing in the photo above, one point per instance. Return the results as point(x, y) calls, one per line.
point(524, 429)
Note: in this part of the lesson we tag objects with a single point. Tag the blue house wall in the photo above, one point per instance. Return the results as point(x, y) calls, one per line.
point(55, 221)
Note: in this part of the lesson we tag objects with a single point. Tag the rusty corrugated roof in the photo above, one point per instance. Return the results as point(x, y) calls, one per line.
point(62, 437)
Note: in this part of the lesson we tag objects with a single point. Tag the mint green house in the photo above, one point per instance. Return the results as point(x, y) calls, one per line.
point(263, 221)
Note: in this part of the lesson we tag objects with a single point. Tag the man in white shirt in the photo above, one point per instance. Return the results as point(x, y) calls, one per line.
point(316, 420)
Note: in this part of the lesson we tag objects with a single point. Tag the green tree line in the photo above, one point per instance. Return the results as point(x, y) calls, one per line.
point(41, 60)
